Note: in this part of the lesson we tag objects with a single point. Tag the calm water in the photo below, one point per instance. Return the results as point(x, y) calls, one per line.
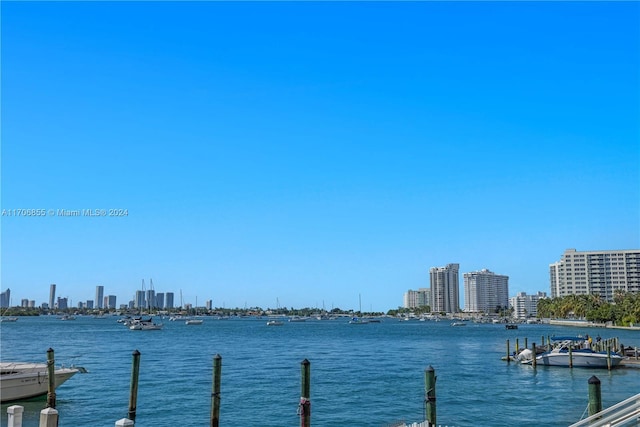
point(361, 375)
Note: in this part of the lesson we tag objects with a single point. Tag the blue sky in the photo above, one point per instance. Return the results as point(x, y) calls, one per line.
point(309, 153)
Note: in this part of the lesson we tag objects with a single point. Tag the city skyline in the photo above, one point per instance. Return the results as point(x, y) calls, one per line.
point(309, 153)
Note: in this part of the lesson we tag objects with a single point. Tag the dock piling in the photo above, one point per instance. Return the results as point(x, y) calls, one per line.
point(304, 408)
point(124, 422)
point(430, 395)
point(595, 397)
point(534, 355)
point(133, 391)
point(508, 354)
point(14, 413)
point(51, 374)
point(215, 393)
point(48, 417)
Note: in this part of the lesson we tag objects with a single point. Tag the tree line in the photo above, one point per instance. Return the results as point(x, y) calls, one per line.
point(624, 310)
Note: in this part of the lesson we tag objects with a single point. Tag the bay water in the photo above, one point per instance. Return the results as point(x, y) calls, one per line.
point(361, 375)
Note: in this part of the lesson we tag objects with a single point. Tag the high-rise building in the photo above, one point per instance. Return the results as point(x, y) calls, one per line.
point(62, 303)
point(151, 298)
point(99, 296)
point(140, 301)
point(52, 295)
point(485, 292)
point(417, 299)
point(168, 301)
point(5, 298)
point(160, 300)
point(524, 305)
point(595, 273)
point(90, 304)
point(209, 304)
point(111, 301)
point(445, 288)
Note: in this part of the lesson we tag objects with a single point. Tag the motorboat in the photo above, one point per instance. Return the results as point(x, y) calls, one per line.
point(8, 319)
point(19, 380)
point(144, 325)
point(194, 322)
point(574, 352)
point(274, 322)
point(358, 321)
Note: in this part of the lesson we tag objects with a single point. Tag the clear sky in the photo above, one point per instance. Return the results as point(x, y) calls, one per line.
point(309, 153)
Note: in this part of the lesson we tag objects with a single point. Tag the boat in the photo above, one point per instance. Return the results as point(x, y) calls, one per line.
point(511, 326)
point(580, 356)
point(144, 325)
point(358, 321)
point(8, 319)
point(193, 322)
point(68, 317)
point(19, 380)
point(274, 322)
point(297, 319)
point(458, 324)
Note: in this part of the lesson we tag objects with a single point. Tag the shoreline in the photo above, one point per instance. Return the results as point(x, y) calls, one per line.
point(588, 324)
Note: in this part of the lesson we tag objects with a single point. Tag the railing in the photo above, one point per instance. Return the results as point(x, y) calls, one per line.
point(625, 413)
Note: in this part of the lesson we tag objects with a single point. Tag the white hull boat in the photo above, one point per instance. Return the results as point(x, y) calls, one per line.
point(194, 322)
point(144, 325)
point(580, 357)
point(19, 381)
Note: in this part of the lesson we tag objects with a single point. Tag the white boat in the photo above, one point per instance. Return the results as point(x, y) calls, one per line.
point(275, 322)
point(144, 325)
point(8, 319)
point(358, 321)
point(20, 380)
point(193, 322)
point(580, 356)
point(458, 324)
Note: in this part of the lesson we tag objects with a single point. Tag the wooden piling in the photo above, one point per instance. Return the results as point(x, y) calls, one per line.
point(534, 355)
point(570, 356)
point(526, 345)
point(305, 394)
point(51, 374)
point(517, 346)
point(595, 398)
point(133, 391)
point(215, 393)
point(508, 354)
point(430, 395)
point(609, 357)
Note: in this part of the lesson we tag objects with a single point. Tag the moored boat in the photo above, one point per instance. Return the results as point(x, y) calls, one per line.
point(194, 322)
point(19, 380)
point(144, 325)
point(574, 352)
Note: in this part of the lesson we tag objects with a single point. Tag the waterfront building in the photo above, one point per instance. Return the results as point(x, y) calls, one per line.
point(99, 296)
point(160, 300)
point(525, 306)
point(444, 288)
point(485, 292)
point(168, 301)
point(62, 304)
point(140, 301)
point(32, 303)
point(209, 305)
point(151, 298)
point(599, 273)
point(111, 301)
point(81, 305)
point(417, 299)
point(24, 302)
point(89, 304)
point(5, 298)
point(52, 295)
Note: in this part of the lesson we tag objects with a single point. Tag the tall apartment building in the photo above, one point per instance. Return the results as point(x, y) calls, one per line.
point(111, 301)
point(151, 298)
point(416, 299)
point(160, 300)
point(524, 305)
point(140, 301)
point(444, 288)
point(5, 298)
point(168, 300)
point(52, 295)
point(595, 272)
point(485, 291)
point(99, 297)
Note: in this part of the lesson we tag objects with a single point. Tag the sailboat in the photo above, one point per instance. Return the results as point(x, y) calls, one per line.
point(355, 320)
point(194, 321)
point(8, 319)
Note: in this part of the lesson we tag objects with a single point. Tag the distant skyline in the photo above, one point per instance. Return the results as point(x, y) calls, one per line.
point(308, 153)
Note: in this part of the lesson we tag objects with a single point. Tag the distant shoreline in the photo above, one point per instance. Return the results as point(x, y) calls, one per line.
point(588, 324)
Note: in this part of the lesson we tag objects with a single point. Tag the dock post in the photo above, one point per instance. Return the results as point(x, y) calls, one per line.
point(48, 418)
point(215, 393)
point(517, 346)
point(595, 397)
point(430, 395)
point(51, 374)
point(636, 352)
point(508, 354)
point(609, 357)
point(534, 355)
point(542, 342)
point(526, 343)
point(570, 356)
point(304, 408)
point(133, 391)
point(124, 422)
point(15, 416)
